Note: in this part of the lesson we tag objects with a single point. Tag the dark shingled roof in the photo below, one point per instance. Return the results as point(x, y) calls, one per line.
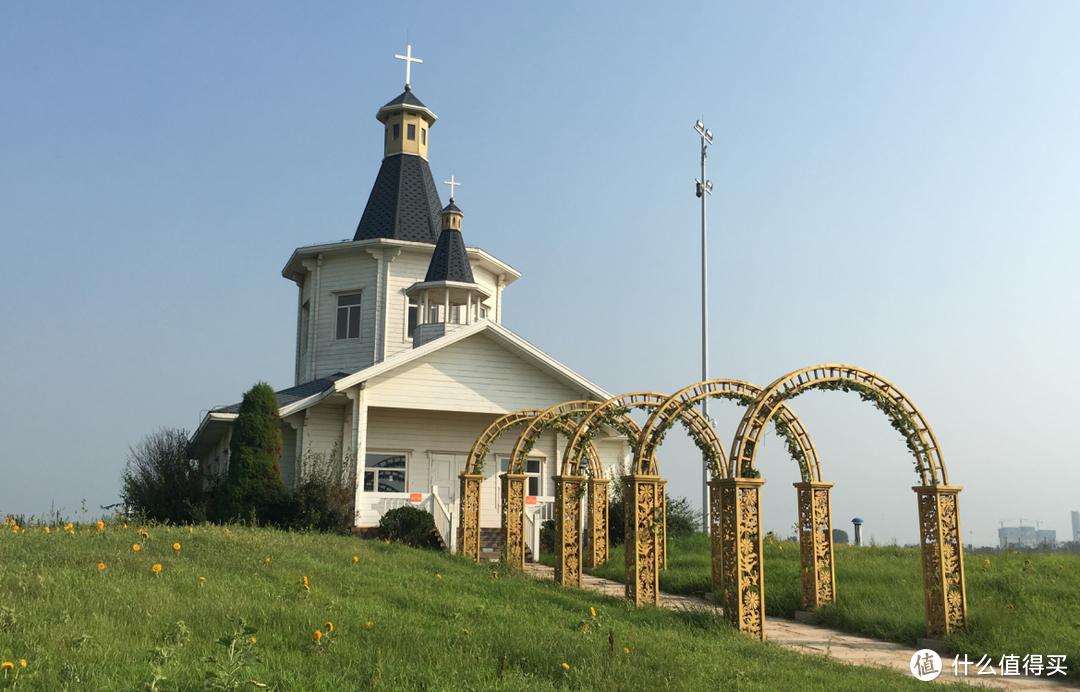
point(449, 262)
point(300, 391)
point(407, 99)
point(404, 202)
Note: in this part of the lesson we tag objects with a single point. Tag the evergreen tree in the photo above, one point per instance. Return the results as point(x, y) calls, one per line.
point(253, 489)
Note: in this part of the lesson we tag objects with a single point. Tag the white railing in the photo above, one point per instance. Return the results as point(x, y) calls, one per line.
point(530, 542)
point(443, 519)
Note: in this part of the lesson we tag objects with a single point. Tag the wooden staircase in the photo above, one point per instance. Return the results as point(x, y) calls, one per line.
point(491, 546)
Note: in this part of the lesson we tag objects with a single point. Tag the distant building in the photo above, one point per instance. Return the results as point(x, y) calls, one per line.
point(1046, 537)
point(1076, 526)
point(1017, 536)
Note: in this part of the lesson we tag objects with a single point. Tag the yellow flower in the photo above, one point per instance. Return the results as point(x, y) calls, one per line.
point(439, 576)
point(15, 529)
point(466, 631)
point(329, 627)
point(156, 568)
point(202, 578)
point(7, 665)
point(125, 526)
point(100, 525)
point(355, 558)
point(495, 575)
point(305, 578)
point(307, 588)
point(987, 561)
point(135, 547)
point(593, 611)
point(100, 566)
point(226, 531)
point(47, 530)
point(176, 546)
point(566, 665)
point(367, 626)
point(253, 640)
point(317, 636)
point(266, 561)
point(780, 547)
point(626, 650)
point(72, 532)
point(22, 662)
point(68, 527)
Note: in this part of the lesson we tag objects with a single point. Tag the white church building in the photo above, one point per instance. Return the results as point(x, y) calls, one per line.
point(401, 356)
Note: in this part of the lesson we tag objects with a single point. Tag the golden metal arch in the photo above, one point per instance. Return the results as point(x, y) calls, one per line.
point(800, 446)
point(944, 591)
point(886, 396)
point(606, 413)
point(562, 417)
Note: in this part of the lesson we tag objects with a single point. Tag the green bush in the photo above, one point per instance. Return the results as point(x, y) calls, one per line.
point(409, 525)
point(253, 489)
point(682, 519)
point(547, 536)
point(323, 497)
point(160, 482)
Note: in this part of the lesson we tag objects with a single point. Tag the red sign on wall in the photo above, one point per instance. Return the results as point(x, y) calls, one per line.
point(415, 497)
point(530, 499)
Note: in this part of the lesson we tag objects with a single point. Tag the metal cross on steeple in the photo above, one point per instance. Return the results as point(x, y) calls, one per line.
point(451, 183)
point(409, 60)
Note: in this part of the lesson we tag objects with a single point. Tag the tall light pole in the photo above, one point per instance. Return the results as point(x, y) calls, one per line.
point(703, 189)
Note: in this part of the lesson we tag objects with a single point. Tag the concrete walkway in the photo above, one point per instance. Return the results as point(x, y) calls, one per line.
point(821, 641)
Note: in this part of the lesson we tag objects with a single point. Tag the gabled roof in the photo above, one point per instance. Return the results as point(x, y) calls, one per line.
point(496, 332)
point(293, 394)
point(404, 203)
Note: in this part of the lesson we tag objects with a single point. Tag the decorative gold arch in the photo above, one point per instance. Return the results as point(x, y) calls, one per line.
point(471, 480)
point(939, 515)
point(815, 525)
point(568, 492)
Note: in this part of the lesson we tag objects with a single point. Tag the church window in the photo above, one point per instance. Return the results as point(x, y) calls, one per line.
point(455, 312)
point(348, 316)
point(414, 314)
point(385, 473)
point(532, 470)
point(397, 131)
point(423, 135)
point(412, 132)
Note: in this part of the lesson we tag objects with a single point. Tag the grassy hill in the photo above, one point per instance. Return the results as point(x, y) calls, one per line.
point(1017, 603)
point(86, 611)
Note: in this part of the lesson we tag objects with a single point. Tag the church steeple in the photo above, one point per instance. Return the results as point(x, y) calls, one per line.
point(404, 203)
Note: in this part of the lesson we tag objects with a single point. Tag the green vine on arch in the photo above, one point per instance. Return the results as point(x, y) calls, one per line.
point(899, 418)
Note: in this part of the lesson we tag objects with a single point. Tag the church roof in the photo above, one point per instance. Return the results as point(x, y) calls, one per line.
point(407, 99)
point(450, 261)
point(404, 202)
point(293, 394)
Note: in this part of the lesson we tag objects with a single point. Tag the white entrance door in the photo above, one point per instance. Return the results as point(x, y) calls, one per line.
point(444, 475)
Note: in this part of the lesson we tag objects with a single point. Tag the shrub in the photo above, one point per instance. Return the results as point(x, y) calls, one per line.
point(682, 519)
point(409, 525)
point(322, 498)
point(547, 536)
point(253, 489)
point(159, 481)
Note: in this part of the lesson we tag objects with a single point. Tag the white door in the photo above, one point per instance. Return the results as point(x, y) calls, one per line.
point(444, 475)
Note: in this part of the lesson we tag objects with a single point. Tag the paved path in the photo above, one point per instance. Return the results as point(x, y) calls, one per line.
point(821, 641)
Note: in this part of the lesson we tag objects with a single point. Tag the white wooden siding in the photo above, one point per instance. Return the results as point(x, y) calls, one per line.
point(409, 267)
point(474, 374)
point(345, 274)
point(323, 427)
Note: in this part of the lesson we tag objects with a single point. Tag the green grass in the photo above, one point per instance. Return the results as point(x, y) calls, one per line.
point(438, 622)
point(1014, 607)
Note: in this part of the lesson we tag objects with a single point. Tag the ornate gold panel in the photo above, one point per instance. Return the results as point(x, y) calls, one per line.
point(743, 583)
point(469, 525)
point(816, 545)
point(596, 530)
point(644, 520)
point(943, 559)
point(513, 520)
point(568, 492)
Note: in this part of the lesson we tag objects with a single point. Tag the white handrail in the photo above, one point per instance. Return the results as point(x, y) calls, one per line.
point(530, 542)
point(442, 518)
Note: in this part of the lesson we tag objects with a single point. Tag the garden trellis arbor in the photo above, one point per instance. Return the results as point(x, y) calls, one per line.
point(471, 479)
point(939, 515)
point(570, 486)
point(815, 525)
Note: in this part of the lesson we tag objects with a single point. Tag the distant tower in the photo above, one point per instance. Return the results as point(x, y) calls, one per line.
point(857, 523)
point(1076, 526)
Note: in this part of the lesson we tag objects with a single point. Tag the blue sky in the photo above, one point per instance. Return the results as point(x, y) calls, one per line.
point(896, 188)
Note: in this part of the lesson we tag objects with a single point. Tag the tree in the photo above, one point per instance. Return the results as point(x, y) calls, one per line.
point(160, 480)
point(253, 488)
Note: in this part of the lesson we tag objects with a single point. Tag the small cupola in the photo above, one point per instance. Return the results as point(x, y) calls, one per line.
point(448, 296)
